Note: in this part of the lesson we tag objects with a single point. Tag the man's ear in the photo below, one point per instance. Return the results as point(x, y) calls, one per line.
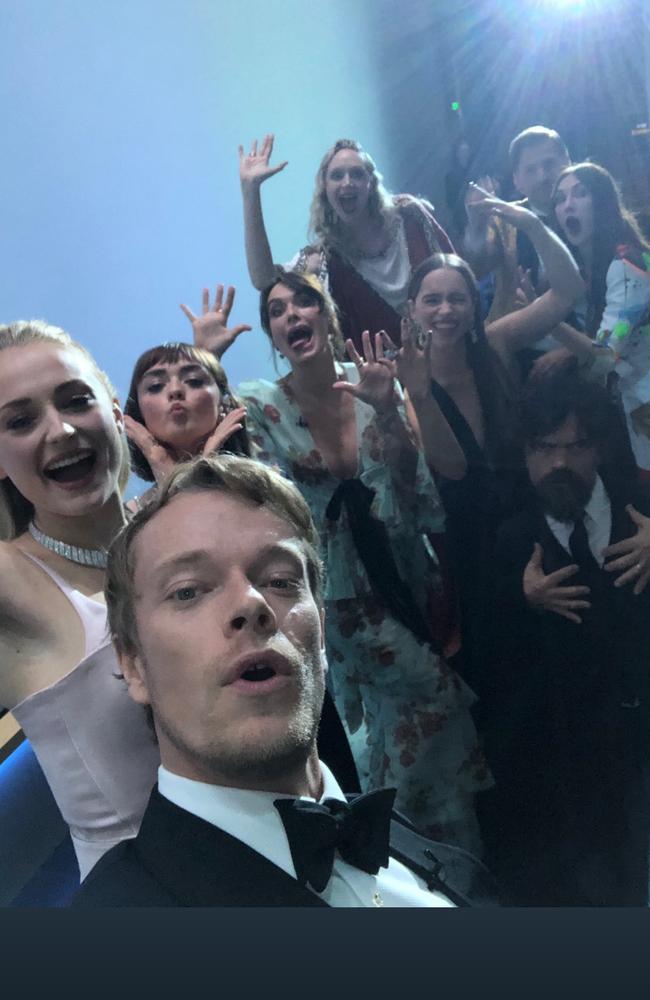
point(135, 677)
point(323, 653)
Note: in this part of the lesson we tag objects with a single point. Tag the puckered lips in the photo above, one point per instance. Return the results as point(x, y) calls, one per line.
point(74, 468)
point(258, 673)
point(300, 336)
point(177, 410)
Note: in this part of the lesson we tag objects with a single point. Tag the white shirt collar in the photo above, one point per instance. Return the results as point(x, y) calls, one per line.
point(598, 522)
point(248, 815)
point(252, 818)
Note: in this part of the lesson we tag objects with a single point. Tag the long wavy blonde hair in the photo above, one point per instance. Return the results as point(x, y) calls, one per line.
point(325, 227)
point(16, 511)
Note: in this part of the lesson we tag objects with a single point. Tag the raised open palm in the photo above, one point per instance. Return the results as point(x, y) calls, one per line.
point(254, 167)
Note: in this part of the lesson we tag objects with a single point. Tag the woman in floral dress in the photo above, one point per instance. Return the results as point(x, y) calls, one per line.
point(339, 432)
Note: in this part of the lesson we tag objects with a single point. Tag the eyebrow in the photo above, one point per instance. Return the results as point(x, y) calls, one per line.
point(199, 558)
point(193, 559)
point(75, 383)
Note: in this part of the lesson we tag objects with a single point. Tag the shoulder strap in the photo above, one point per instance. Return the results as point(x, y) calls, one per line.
point(450, 870)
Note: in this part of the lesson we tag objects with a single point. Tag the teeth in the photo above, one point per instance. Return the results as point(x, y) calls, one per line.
point(70, 460)
point(258, 668)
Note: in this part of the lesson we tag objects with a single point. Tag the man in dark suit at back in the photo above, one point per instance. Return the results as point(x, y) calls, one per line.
point(568, 705)
point(214, 598)
point(537, 157)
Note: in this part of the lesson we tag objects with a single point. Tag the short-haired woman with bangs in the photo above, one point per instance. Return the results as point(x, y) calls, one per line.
point(179, 402)
point(339, 432)
point(365, 241)
point(64, 464)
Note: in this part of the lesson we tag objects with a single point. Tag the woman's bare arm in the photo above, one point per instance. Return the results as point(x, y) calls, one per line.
point(254, 169)
point(524, 327)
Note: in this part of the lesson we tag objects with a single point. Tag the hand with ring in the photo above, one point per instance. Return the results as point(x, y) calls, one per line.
point(630, 558)
point(376, 385)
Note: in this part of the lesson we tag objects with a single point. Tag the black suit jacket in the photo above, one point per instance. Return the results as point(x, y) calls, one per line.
point(601, 662)
point(178, 859)
point(566, 754)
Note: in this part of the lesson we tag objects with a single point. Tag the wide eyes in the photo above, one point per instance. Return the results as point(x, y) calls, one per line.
point(78, 403)
point(355, 174)
point(303, 300)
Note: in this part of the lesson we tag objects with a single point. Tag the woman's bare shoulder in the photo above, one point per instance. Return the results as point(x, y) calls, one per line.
point(16, 583)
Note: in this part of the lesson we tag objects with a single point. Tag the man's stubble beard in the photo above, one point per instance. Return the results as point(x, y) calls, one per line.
point(241, 765)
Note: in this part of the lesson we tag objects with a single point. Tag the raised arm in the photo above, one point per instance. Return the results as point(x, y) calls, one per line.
point(254, 169)
point(376, 387)
point(524, 327)
point(441, 449)
point(481, 243)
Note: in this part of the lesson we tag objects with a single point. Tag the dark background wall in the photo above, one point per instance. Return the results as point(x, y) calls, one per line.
point(579, 68)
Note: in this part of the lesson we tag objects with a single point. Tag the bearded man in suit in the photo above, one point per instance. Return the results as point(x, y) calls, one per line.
point(567, 703)
point(214, 598)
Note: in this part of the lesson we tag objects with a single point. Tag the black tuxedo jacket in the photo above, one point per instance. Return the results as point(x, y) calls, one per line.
point(566, 754)
point(595, 665)
point(178, 859)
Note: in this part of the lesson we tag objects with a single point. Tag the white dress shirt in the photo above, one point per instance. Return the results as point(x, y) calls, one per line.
point(597, 521)
point(252, 818)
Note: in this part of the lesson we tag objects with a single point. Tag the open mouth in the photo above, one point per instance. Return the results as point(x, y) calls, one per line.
point(572, 226)
point(73, 468)
point(300, 337)
point(348, 203)
point(258, 672)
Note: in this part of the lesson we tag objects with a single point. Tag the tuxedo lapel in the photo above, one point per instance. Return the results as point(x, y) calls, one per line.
point(199, 864)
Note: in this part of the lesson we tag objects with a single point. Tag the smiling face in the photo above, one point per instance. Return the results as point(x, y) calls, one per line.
point(574, 211)
point(298, 323)
point(444, 306)
point(540, 164)
point(230, 640)
point(347, 186)
point(59, 429)
point(179, 403)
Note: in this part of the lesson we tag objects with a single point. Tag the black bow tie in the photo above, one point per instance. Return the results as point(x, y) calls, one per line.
point(359, 830)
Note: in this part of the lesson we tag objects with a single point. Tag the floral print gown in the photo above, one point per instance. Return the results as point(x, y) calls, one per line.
point(414, 710)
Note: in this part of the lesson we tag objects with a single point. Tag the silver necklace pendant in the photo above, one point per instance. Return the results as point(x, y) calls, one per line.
point(85, 557)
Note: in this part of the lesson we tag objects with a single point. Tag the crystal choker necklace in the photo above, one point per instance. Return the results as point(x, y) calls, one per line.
point(86, 557)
